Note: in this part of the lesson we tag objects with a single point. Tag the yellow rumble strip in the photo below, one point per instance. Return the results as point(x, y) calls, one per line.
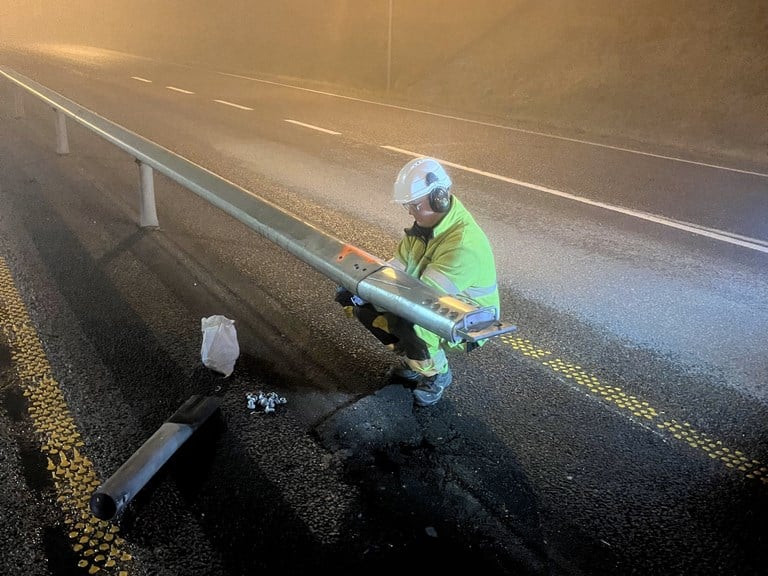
point(641, 410)
point(95, 542)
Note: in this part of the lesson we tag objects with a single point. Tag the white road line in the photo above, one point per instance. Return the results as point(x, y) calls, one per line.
point(233, 105)
point(140, 79)
point(312, 127)
point(745, 242)
point(179, 90)
point(501, 126)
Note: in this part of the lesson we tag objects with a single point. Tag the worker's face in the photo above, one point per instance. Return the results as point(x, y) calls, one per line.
point(422, 213)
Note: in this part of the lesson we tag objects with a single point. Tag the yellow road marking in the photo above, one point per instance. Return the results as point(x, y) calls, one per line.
point(642, 410)
point(96, 542)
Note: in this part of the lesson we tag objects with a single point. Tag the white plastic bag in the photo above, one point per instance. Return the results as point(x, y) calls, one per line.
point(220, 348)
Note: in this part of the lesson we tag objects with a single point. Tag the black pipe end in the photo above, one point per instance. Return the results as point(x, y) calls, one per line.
point(103, 506)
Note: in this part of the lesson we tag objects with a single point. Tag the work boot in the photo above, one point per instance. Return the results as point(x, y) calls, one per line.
point(402, 371)
point(430, 389)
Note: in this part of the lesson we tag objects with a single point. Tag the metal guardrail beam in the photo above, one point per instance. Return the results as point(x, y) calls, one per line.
point(358, 271)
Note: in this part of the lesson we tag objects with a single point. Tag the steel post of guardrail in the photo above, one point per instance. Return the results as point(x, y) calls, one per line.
point(117, 492)
point(148, 210)
point(18, 99)
point(62, 141)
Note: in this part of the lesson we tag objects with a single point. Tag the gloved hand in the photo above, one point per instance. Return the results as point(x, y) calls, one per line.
point(348, 301)
point(343, 296)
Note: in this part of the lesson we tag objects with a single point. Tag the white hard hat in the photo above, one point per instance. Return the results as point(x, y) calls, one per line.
point(418, 178)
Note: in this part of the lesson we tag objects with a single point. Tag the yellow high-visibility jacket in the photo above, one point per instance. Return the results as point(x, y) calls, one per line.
point(454, 257)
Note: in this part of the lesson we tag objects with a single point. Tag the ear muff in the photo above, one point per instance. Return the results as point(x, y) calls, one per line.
point(439, 198)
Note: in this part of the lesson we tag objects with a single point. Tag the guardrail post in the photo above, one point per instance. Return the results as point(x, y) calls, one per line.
point(118, 491)
point(18, 97)
point(62, 141)
point(147, 210)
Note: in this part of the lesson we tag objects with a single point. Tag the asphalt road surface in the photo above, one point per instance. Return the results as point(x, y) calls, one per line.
point(620, 430)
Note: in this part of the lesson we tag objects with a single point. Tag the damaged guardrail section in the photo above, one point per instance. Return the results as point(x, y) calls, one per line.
point(359, 272)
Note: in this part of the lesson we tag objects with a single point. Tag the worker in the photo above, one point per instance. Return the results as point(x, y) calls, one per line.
point(446, 249)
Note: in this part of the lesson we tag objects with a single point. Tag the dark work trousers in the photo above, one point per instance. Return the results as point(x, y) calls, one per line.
point(392, 330)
